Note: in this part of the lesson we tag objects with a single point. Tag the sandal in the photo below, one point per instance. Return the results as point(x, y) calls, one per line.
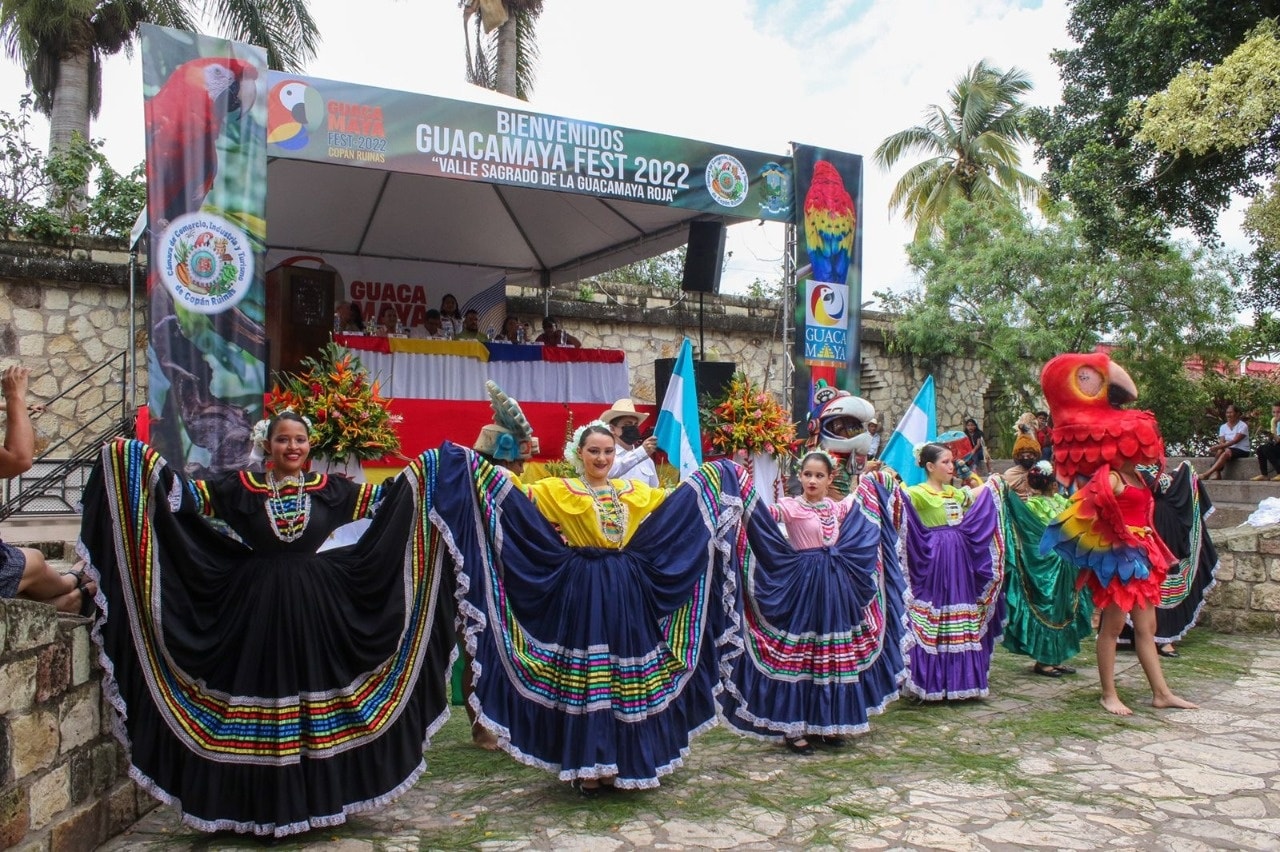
point(1166, 651)
point(794, 745)
point(834, 742)
point(586, 792)
point(87, 605)
point(1045, 671)
point(1065, 669)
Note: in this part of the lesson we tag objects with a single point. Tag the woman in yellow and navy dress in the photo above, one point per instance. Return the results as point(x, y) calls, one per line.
point(594, 641)
point(263, 686)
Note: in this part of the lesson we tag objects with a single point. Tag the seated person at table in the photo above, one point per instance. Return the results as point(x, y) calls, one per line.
point(431, 328)
point(471, 326)
point(511, 330)
point(347, 317)
point(553, 335)
point(388, 320)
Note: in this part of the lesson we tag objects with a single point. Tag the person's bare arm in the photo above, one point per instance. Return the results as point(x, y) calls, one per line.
point(19, 438)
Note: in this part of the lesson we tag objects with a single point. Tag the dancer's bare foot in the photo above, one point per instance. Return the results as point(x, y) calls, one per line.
point(1113, 704)
point(1172, 701)
point(483, 737)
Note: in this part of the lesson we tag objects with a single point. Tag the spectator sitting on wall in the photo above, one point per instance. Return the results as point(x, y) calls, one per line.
point(24, 573)
point(1233, 443)
point(553, 335)
point(1269, 447)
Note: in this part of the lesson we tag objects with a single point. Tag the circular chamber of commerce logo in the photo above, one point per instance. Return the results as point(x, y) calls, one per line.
point(205, 262)
point(727, 180)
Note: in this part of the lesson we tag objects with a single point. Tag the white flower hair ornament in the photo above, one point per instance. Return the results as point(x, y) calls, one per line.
point(259, 434)
point(571, 454)
point(831, 460)
point(917, 449)
point(1044, 467)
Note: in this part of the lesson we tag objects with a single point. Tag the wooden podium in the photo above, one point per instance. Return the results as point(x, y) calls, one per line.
point(299, 316)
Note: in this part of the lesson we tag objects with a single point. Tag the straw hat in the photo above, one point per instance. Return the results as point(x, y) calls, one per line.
point(624, 408)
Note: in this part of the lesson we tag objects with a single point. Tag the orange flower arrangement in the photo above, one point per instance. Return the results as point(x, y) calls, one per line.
point(748, 420)
point(348, 414)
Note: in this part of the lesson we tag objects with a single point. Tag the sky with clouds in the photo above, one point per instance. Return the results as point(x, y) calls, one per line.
point(754, 74)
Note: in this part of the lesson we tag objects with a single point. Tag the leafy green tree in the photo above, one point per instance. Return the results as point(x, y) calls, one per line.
point(1229, 107)
point(1125, 189)
point(663, 272)
point(503, 53)
point(41, 197)
point(971, 145)
point(1013, 293)
point(61, 44)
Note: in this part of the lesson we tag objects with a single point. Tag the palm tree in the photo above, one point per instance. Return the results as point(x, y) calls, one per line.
point(974, 142)
point(503, 61)
point(61, 44)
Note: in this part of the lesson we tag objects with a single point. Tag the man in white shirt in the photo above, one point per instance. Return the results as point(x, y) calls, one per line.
point(431, 328)
point(633, 460)
point(1233, 443)
point(873, 429)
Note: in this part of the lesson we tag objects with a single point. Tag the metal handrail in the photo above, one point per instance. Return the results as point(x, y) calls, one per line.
point(52, 484)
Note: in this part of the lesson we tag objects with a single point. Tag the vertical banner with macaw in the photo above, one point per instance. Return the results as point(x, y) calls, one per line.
point(206, 210)
point(828, 296)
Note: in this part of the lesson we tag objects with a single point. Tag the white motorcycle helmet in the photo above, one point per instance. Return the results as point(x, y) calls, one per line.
point(841, 422)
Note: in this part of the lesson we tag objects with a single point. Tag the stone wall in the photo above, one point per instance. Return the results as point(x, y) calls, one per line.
point(64, 312)
point(64, 786)
point(1247, 597)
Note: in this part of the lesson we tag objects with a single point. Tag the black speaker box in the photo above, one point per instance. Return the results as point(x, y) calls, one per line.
point(704, 257)
point(711, 377)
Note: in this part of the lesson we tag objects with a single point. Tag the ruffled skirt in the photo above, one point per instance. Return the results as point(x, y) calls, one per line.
point(821, 629)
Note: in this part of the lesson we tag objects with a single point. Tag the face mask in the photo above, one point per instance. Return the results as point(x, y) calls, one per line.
point(631, 434)
point(1026, 464)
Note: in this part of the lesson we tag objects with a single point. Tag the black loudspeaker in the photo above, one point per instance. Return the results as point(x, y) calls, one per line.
point(704, 257)
point(711, 377)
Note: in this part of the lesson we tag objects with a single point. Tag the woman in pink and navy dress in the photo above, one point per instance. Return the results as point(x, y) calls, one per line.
point(821, 616)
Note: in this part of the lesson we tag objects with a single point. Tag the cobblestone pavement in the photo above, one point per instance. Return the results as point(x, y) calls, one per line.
point(1036, 765)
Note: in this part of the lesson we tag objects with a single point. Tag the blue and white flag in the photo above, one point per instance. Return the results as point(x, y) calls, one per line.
point(679, 432)
point(919, 424)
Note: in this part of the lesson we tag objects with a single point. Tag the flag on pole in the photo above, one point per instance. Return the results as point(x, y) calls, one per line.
point(919, 424)
point(679, 432)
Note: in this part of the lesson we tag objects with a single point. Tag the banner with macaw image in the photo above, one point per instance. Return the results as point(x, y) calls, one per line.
point(206, 209)
point(828, 297)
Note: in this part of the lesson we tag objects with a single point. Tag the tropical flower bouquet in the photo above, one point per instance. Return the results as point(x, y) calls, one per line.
point(349, 417)
point(748, 421)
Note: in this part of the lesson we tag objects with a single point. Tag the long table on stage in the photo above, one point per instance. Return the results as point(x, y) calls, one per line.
point(438, 386)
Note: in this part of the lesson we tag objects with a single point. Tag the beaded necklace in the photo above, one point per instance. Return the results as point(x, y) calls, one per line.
point(611, 512)
point(288, 512)
point(826, 516)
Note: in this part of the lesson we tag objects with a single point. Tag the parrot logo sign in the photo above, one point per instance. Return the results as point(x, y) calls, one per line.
point(826, 332)
point(205, 262)
point(826, 304)
point(294, 109)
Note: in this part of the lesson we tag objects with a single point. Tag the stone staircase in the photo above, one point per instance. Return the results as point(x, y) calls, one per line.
point(1234, 496)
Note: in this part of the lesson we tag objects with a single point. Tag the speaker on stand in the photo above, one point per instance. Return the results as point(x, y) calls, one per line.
point(703, 262)
point(711, 378)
